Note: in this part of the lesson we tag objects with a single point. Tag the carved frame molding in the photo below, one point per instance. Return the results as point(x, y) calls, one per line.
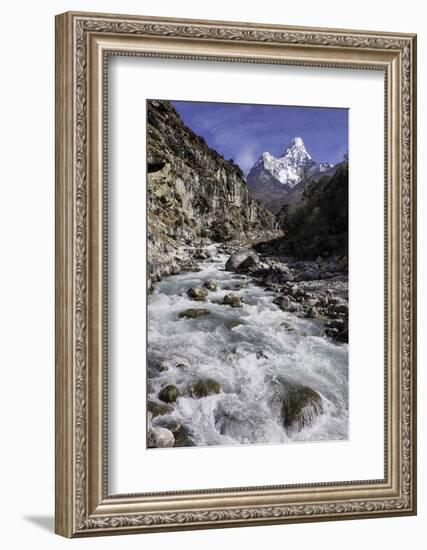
point(83, 41)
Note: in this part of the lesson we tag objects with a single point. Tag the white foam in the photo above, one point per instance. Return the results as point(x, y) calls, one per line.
point(242, 413)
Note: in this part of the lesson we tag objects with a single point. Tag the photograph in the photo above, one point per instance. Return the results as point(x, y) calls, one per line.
point(247, 274)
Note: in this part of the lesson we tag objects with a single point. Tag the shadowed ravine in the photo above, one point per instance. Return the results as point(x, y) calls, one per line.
point(249, 374)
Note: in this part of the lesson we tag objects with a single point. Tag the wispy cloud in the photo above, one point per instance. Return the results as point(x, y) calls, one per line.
point(246, 158)
point(244, 132)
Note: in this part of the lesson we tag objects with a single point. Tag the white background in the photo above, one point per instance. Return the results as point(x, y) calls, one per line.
point(133, 468)
point(27, 245)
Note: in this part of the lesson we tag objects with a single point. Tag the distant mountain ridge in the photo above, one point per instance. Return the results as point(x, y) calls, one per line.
point(273, 179)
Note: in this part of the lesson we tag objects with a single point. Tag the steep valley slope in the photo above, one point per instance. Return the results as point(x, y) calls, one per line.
point(194, 195)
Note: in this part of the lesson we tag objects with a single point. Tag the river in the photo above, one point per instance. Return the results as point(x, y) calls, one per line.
point(247, 350)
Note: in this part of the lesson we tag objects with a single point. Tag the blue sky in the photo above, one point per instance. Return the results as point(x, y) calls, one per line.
point(244, 132)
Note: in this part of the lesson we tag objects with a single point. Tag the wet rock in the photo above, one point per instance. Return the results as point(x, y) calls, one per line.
point(158, 409)
point(299, 405)
point(201, 254)
point(204, 387)
point(342, 336)
point(197, 294)
point(169, 394)
point(292, 290)
point(160, 438)
point(331, 332)
point(242, 260)
point(233, 324)
point(283, 302)
point(193, 313)
point(232, 300)
point(339, 307)
point(338, 324)
point(276, 274)
point(181, 433)
point(323, 301)
point(182, 366)
point(211, 284)
point(312, 313)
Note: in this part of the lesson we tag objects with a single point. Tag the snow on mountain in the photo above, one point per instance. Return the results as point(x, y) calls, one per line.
point(295, 164)
point(271, 176)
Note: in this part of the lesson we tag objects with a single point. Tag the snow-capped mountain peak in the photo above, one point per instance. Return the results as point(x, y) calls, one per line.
point(274, 176)
point(289, 168)
point(296, 150)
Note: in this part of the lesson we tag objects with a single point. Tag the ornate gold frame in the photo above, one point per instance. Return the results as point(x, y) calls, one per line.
point(83, 41)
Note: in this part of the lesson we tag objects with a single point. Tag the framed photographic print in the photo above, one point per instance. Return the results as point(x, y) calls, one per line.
point(235, 274)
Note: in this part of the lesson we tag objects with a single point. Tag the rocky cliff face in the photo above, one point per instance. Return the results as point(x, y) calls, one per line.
point(194, 195)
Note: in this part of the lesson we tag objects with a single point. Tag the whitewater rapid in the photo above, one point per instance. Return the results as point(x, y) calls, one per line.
point(246, 360)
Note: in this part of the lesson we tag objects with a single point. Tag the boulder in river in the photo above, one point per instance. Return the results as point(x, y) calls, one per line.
point(297, 405)
point(158, 409)
point(283, 302)
point(211, 284)
point(233, 323)
point(301, 406)
point(160, 438)
point(204, 387)
point(197, 294)
point(232, 300)
point(169, 394)
point(337, 329)
point(242, 260)
point(193, 313)
point(181, 433)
